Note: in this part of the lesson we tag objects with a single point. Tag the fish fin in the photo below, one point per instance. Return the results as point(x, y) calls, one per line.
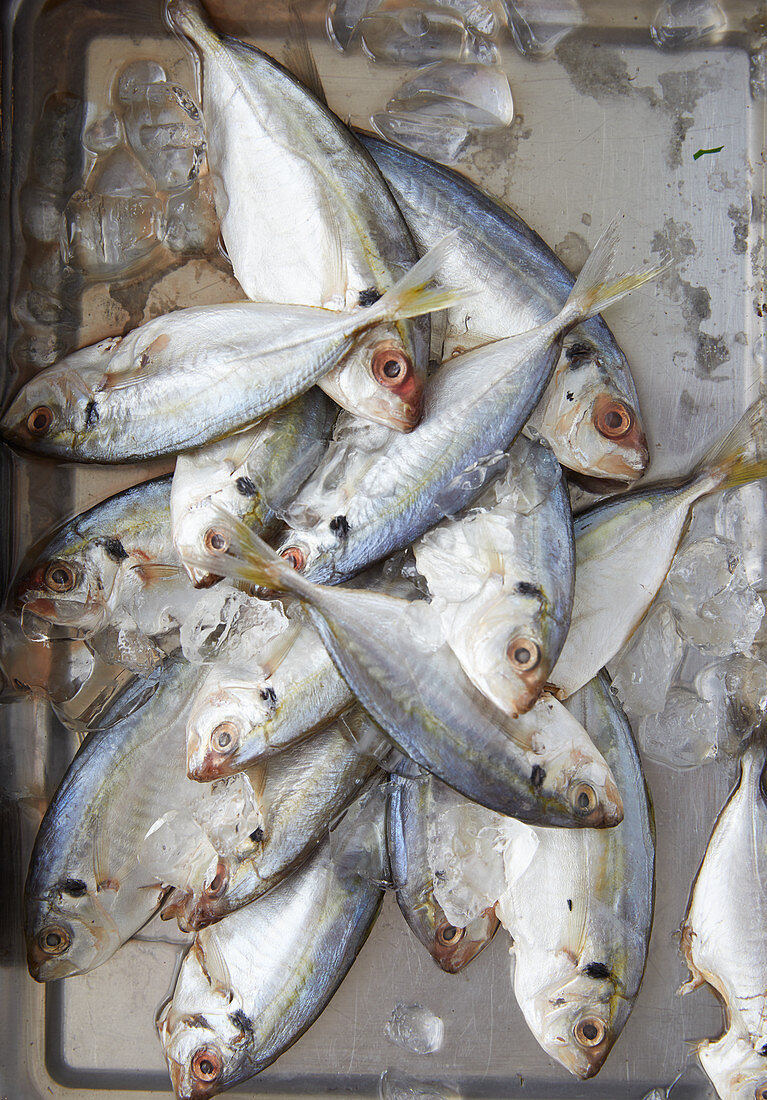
point(410, 296)
point(299, 58)
point(155, 571)
point(276, 650)
point(739, 456)
point(596, 288)
point(257, 777)
point(187, 17)
point(213, 963)
point(335, 277)
point(246, 557)
point(287, 487)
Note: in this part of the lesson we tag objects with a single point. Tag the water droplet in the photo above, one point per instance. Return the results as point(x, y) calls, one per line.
point(416, 1028)
point(682, 22)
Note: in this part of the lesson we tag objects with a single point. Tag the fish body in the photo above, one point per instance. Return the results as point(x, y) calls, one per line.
point(501, 577)
point(301, 791)
point(723, 935)
point(407, 822)
point(579, 910)
point(322, 226)
point(255, 981)
point(590, 411)
point(251, 474)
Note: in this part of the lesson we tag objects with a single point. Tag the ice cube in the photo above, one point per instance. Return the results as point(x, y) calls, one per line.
point(134, 78)
point(122, 643)
point(415, 1028)
point(358, 839)
point(176, 847)
point(56, 670)
point(104, 134)
point(538, 26)
point(715, 607)
point(682, 22)
point(442, 140)
point(735, 689)
point(226, 621)
point(119, 173)
point(343, 16)
point(227, 810)
point(482, 18)
point(738, 517)
point(165, 130)
point(684, 735)
point(395, 1085)
point(642, 672)
point(191, 224)
point(108, 235)
point(416, 36)
point(478, 95)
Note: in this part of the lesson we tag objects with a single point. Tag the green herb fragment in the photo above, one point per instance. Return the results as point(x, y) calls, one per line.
point(704, 152)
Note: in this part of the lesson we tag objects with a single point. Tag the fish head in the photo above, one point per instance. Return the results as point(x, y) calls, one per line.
point(197, 534)
point(594, 428)
point(577, 1020)
point(454, 948)
point(68, 931)
point(570, 770)
point(510, 659)
point(379, 378)
point(232, 884)
point(52, 414)
point(223, 715)
point(735, 1067)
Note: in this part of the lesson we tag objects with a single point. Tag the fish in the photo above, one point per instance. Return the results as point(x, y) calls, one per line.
point(501, 577)
point(590, 410)
point(251, 984)
point(189, 377)
point(540, 767)
point(624, 548)
point(240, 717)
point(120, 831)
point(579, 909)
point(301, 792)
point(252, 474)
point(407, 822)
point(722, 935)
point(322, 226)
point(375, 491)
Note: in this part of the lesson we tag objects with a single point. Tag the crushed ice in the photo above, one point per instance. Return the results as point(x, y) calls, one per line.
point(416, 1028)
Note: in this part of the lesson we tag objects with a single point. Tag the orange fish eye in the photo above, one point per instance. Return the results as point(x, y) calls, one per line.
point(207, 1064)
point(53, 940)
point(215, 541)
point(613, 419)
point(60, 577)
point(39, 420)
point(295, 555)
point(448, 935)
point(225, 737)
point(590, 1031)
point(584, 799)
point(390, 366)
point(524, 654)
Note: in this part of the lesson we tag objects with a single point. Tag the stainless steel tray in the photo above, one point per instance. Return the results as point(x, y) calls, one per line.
point(609, 123)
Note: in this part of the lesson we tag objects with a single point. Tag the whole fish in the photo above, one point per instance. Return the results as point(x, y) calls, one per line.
point(407, 823)
point(580, 910)
point(624, 548)
point(253, 983)
point(192, 376)
point(541, 767)
point(723, 935)
point(300, 793)
point(240, 718)
point(590, 411)
point(251, 474)
point(124, 826)
point(322, 226)
point(375, 492)
point(501, 578)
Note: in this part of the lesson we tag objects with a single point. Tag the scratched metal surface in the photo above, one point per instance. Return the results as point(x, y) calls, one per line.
point(608, 123)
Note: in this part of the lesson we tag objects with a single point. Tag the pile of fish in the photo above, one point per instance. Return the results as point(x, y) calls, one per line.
point(356, 641)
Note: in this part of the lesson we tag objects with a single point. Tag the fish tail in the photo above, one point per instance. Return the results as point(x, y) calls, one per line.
point(411, 296)
point(233, 550)
point(596, 288)
point(188, 17)
point(739, 456)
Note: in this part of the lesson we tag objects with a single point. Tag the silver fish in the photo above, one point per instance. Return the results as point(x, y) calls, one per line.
point(723, 935)
point(580, 910)
point(305, 215)
point(407, 823)
point(624, 548)
point(251, 474)
point(501, 578)
point(590, 410)
point(192, 376)
point(541, 767)
point(300, 791)
point(375, 492)
point(254, 982)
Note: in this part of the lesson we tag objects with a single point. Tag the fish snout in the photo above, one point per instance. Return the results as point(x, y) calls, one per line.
point(211, 765)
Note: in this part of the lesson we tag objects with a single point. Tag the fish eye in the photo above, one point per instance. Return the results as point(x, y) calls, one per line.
point(295, 555)
point(448, 935)
point(584, 799)
point(613, 419)
point(524, 654)
point(207, 1064)
point(390, 366)
point(60, 577)
point(218, 883)
point(225, 737)
point(54, 940)
point(760, 1092)
point(590, 1031)
point(215, 541)
point(39, 420)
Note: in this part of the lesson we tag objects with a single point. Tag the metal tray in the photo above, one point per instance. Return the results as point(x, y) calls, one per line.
point(610, 122)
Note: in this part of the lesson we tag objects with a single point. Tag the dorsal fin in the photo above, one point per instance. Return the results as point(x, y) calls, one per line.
point(298, 56)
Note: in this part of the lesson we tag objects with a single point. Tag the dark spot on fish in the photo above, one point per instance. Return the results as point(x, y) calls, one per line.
point(257, 835)
point(246, 486)
point(525, 588)
point(196, 1021)
point(269, 695)
point(115, 549)
point(144, 359)
point(570, 395)
point(557, 1001)
point(369, 297)
point(243, 1022)
point(75, 887)
point(570, 904)
point(576, 353)
point(91, 414)
point(597, 970)
point(538, 776)
point(763, 1051)
point(339, 526)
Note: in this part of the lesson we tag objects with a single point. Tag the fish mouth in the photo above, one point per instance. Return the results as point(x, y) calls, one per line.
point(214, 765)
point(612, 810)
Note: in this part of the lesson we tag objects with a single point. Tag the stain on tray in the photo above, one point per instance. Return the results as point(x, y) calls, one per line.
point(738, 215)
point(573, 251)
